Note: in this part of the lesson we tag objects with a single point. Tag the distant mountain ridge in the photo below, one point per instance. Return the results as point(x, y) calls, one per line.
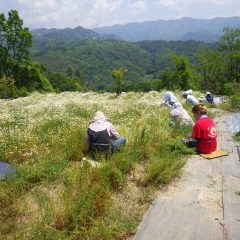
point(43, 36)
point(207, 30)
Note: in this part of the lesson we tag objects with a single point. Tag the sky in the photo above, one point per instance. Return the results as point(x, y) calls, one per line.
point(97, 13)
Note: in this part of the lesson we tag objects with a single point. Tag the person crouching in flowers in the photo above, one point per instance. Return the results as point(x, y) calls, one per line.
point(204, 130)
point(168, 99)
point(180, 115)
point(101, 134)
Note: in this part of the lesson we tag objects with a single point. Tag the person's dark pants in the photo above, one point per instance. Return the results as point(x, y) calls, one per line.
point(191, 143)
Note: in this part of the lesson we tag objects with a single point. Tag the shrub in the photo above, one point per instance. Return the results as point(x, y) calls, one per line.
point(62, 82)
point(232, 90)
point(32, 77)
point(7, 87)
point(113, 176)
point(237, 137)
point(235, 100)
point(9, 90)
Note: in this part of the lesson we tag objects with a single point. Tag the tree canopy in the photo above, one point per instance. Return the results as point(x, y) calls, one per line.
point(17, 70)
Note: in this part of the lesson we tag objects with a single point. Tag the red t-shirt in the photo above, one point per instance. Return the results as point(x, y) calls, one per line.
point(205, 132)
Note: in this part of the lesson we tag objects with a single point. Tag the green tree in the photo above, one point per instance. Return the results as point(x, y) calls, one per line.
point(3, 50)
point(70, 72)
point(182, 71)
point(62, 82)
point(16, 66)
point(18, 38)
point(30, 75)
point(212, 67)
point(178, 76)
point(232, 89)
point(118, 75)
point(6, 87)
point(15, 42)
point(168, 79)
point(230, 45)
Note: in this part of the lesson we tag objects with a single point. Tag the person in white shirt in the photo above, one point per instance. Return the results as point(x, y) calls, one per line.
point(190, 99)
point(180, 115)
point(168, 99)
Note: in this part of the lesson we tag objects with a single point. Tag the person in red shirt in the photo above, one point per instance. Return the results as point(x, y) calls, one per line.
point(204, 130)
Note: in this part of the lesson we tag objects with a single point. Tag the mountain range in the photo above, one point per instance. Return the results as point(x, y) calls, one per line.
point(51, 37)
point(207, 30)
point(144, 49)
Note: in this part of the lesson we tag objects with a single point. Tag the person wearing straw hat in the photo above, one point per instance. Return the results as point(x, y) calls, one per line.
point(190, 99)
point(101, 134)
point(202, 99)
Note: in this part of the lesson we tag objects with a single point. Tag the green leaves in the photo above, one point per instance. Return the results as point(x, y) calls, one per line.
point(15, 62)
point(17, 39)
point(178, 77)
point(118, 75)
point(230, 41)
point(230, 45)
point(62, 82)
point(212, 66)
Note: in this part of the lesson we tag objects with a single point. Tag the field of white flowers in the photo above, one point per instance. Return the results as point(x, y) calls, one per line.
point(56, 196)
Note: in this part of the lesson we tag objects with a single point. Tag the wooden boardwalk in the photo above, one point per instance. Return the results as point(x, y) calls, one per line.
point(204, 205)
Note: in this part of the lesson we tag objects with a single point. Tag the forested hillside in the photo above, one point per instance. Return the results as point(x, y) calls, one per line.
point(94, 60)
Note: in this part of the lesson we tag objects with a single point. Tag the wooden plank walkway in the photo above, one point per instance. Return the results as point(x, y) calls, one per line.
point(204, 205)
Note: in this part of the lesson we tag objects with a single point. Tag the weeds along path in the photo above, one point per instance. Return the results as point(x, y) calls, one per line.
point(204, 205)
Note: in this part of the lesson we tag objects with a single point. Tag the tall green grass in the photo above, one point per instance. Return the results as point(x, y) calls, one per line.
point(55, 195)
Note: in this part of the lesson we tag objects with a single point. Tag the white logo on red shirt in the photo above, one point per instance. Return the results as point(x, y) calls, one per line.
point(212, 132)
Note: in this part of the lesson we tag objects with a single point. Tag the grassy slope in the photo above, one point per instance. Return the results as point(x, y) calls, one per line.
point(56, 196)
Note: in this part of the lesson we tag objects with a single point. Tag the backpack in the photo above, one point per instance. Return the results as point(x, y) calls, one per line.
point(99, 141)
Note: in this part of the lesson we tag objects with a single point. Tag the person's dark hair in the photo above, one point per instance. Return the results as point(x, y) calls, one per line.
point(199, 108)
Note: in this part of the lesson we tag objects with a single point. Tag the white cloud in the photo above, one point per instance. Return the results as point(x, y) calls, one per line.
point(139, 6)
point(40, 4)
point(169, 3)
point(93, 13)
point(106, 5)
point(218, 2)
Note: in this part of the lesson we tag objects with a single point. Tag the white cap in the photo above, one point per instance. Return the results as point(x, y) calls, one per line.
point(177, 105)
point(188, 92)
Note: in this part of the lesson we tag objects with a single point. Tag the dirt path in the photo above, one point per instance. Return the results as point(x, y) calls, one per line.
point(205, 204)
